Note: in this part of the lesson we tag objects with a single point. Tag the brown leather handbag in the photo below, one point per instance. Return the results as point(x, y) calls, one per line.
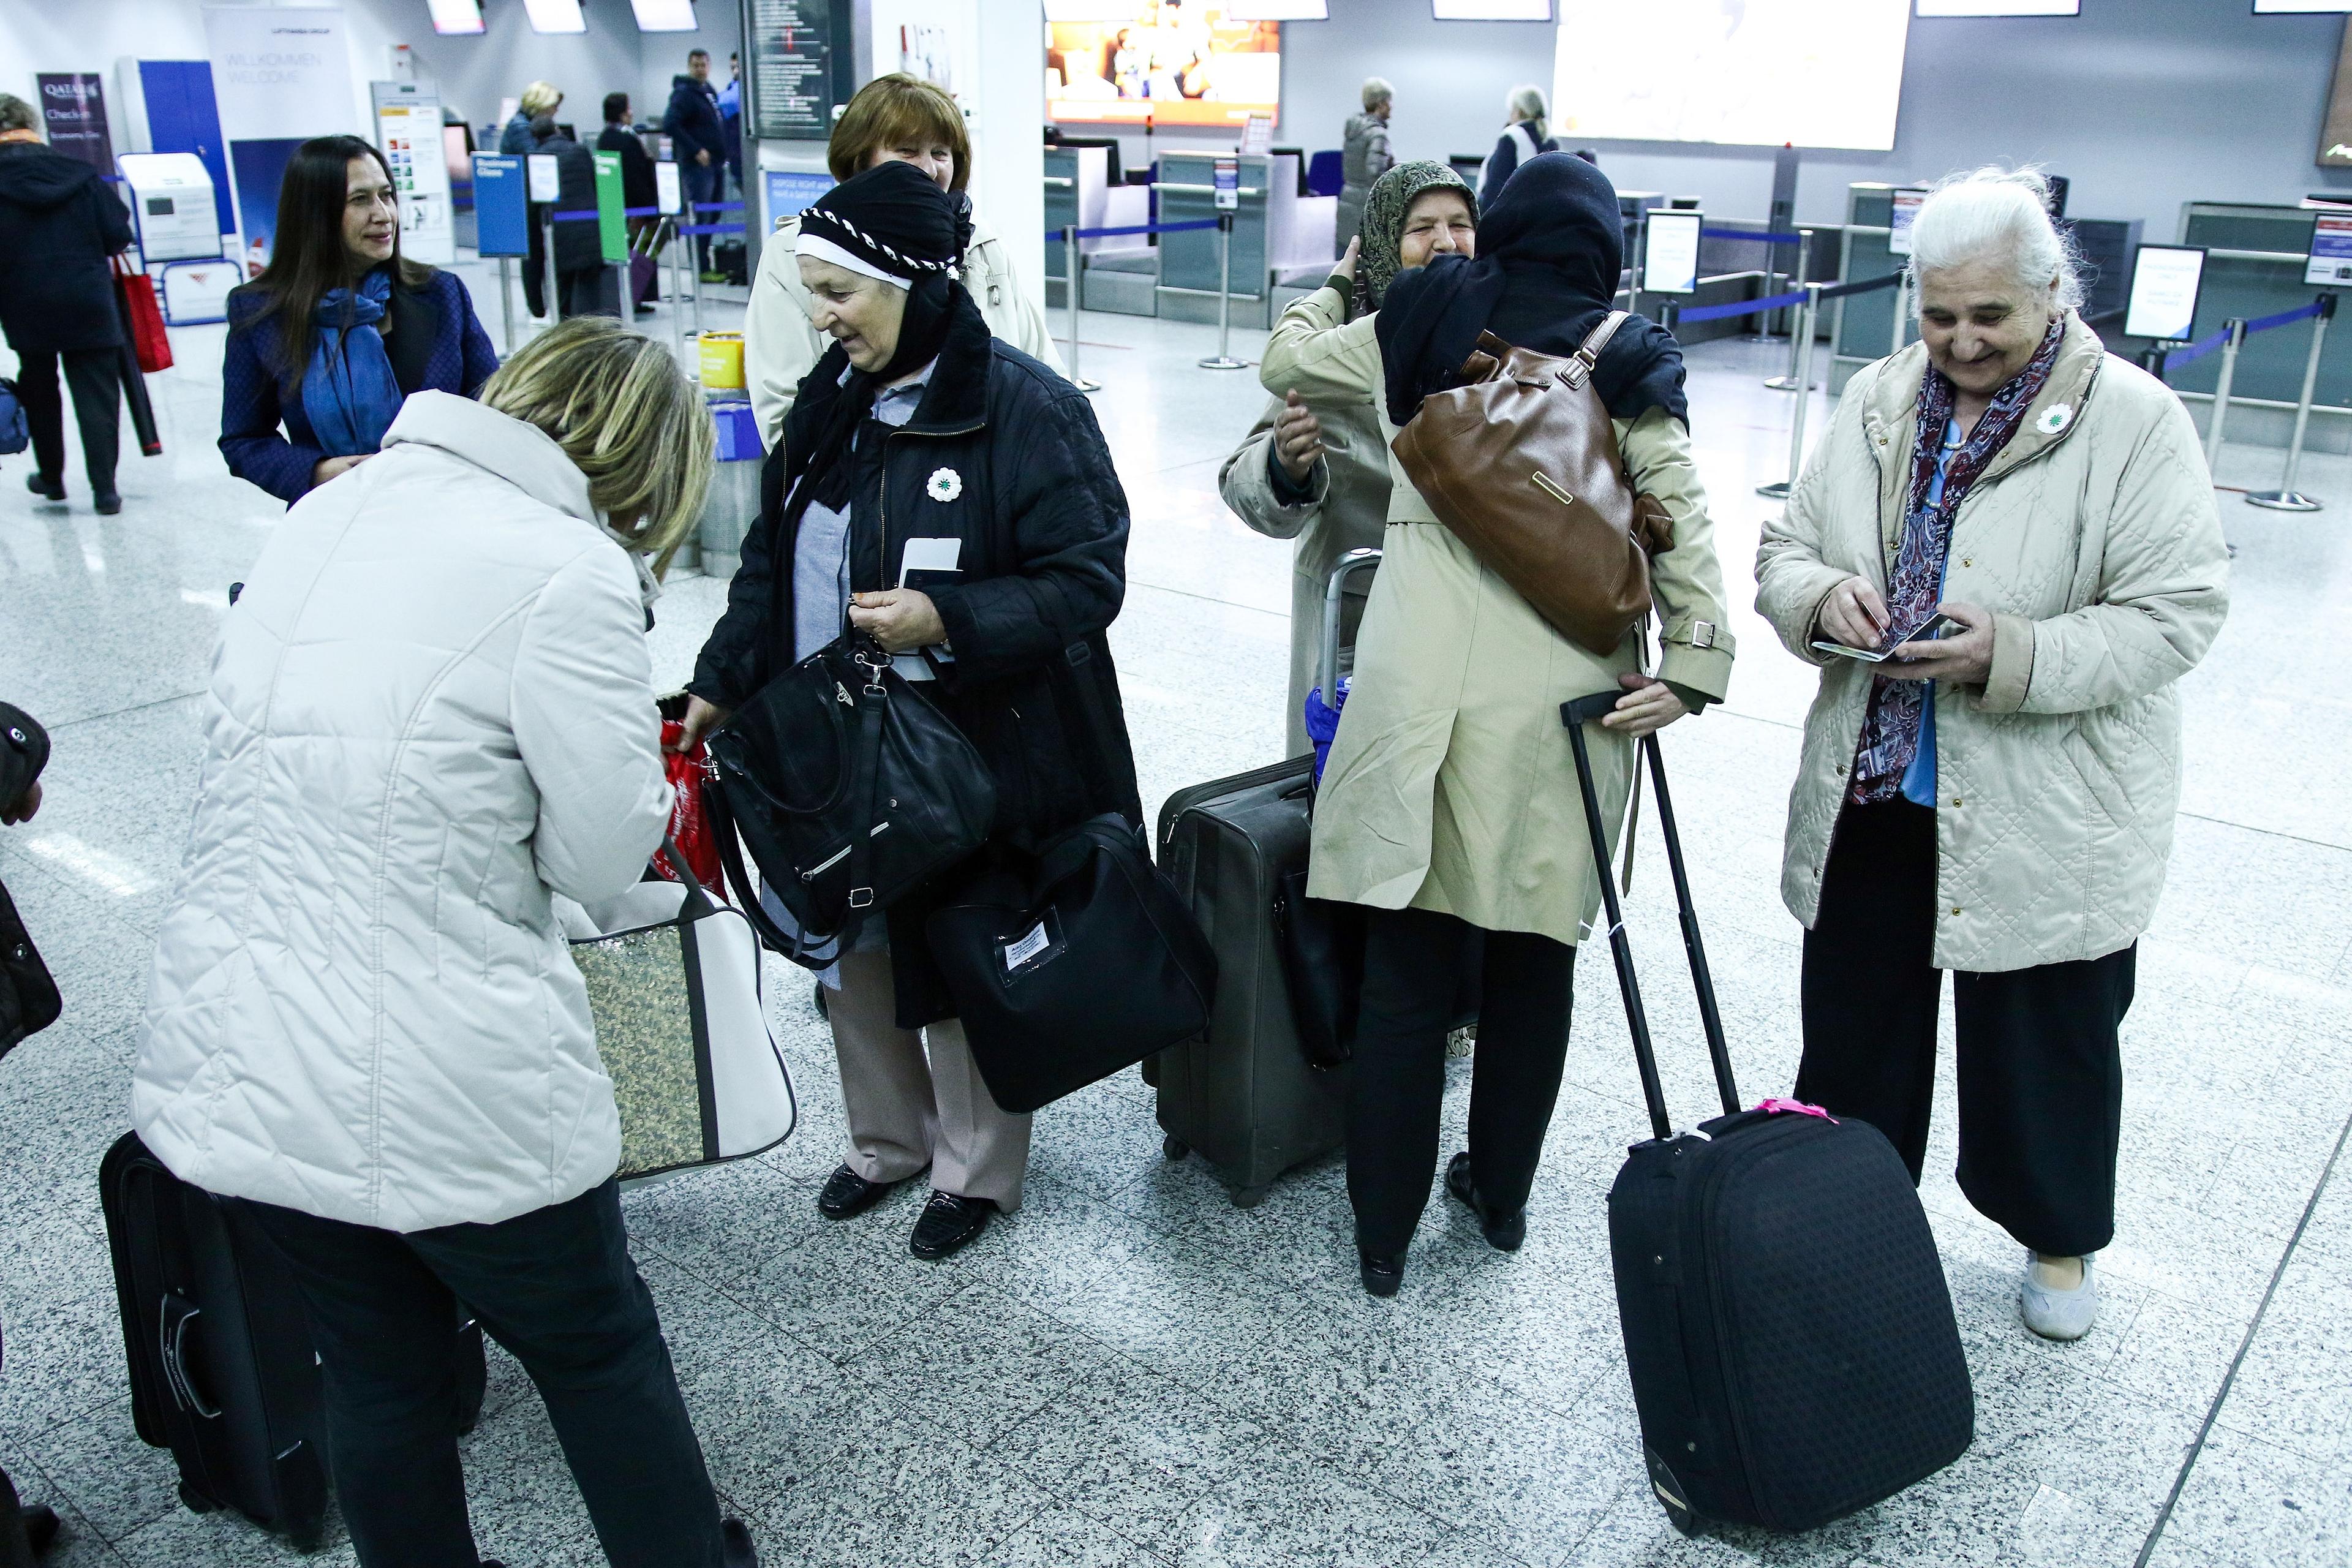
point(1522, 465)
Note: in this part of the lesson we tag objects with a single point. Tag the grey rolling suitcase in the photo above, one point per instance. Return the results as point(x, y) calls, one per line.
point(1245, 1094)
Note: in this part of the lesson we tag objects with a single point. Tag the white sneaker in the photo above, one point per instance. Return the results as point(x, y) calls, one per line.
point(2060, 1314)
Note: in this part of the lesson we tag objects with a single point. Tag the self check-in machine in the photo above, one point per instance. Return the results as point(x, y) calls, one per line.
point(172, 203)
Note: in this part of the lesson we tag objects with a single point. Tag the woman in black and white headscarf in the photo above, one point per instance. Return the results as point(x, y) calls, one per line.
point(994, 482)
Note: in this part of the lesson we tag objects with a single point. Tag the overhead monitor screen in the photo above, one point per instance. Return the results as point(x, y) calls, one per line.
point(1812, 73)
point(664, 16)
point(555, 16)
point(1164, 65)
point(457, 16)
point(2285, 7)
point(2001, 7)
point(1492, 10)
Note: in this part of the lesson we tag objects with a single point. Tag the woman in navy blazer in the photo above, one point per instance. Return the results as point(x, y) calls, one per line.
point(338, 329)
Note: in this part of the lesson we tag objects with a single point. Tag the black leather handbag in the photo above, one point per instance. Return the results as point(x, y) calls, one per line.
point(849, 789)
point(1073, 966)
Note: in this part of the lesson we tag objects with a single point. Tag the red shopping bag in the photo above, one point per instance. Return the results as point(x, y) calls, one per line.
point(143, 318)
point(689, 821)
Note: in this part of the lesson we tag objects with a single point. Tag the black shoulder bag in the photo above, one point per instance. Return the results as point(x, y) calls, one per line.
point(1076, 963)
point(850, 790)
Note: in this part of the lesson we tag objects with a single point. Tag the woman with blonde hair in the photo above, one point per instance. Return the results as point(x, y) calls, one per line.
point(539, 100)
point(432, 714)
point(893, 119)
point(1996, 799)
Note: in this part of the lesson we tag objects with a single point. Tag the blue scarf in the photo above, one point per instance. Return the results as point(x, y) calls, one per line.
point(349, 392)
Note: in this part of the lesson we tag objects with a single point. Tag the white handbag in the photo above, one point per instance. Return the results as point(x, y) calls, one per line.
point(674, 986)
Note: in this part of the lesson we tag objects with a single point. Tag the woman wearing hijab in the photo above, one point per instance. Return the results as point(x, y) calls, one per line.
point(918, 426)
point(1322, 477)
point(1449, 803)
point(338, 329)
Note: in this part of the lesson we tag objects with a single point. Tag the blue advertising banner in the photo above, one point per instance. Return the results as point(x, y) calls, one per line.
point(73, 112)
point(501, 206)
point(790, 192)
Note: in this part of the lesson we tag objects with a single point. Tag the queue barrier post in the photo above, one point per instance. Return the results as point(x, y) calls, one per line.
point(1222, 359)
point(1070, 285)
point(2287, 497)
point(2221, 413)
point(1806, 323)
point(1787, 381)
point(506, 303)
point(553, 314)
point(674, 295)
point(1902, 313)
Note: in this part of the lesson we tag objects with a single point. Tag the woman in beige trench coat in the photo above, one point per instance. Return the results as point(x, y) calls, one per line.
point(1450, 800)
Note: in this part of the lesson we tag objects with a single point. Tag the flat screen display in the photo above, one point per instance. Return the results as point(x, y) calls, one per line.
point(664, 16)
point(555, 16)
point(1279, 10)
point(2165, 281)
point(2001, 7)
point(456, 17)
point(1163, 65)
point(1812, 73)
point(1492, 10)
point(1670, 251)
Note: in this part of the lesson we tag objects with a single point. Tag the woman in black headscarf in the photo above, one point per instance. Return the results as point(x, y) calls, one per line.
point(1449, 803)
point(920, 444)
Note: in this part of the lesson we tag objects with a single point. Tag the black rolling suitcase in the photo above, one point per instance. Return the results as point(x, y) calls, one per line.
point(222, 1369)
point(1787, 1329)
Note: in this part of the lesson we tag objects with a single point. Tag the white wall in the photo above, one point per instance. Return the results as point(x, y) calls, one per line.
point(2142, 104)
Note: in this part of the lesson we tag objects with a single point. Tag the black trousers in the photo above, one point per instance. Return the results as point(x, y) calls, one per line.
point(577, 292)
point(1396, 1085)
point(96, 377)
point(2040, 1074)
point(557, 1288)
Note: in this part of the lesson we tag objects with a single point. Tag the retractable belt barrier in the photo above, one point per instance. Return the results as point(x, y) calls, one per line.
point(1760, 235)
point(1780, 301)
point(1055, 234)
point(2228, 340)
point(1070, 237)
point(2216, 340)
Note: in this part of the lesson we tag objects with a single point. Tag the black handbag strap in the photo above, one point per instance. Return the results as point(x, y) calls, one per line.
point(873, 707)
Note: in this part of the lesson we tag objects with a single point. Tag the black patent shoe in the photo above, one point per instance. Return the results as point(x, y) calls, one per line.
point(1503, 1233)
point(45, 488)
point(1382, 1274)
point(848, 1195)
point(735, 1548)
point(107, 503)
point(949, 1222)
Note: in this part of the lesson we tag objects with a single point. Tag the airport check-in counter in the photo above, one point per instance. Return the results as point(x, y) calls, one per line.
point(2254, 256)
point(1079, 193)
point(1279, 236)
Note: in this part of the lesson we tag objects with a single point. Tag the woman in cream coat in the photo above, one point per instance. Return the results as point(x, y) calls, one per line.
point(1450, 798)
point(1997, 802)
point(893, 117)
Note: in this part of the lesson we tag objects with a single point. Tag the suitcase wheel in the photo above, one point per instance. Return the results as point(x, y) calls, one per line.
point(1250, 1197)
point(195, 1501)
point(1668, 1491)
point(1175, 1148)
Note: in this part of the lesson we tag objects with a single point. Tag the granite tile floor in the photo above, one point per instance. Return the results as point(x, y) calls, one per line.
point(1131, 1372)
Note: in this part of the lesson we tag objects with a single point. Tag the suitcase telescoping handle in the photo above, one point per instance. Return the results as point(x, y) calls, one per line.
point(1575, 715)
point(1327, 669)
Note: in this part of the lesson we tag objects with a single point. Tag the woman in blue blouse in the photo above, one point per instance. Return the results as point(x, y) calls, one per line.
point(338, 329)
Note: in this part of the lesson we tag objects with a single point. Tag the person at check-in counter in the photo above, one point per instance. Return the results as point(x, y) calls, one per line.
point(1996, 800)
point(1364, 157)
point(1320, 476)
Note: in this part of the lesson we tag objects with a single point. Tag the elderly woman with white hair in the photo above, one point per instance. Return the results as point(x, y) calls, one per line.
point(1525, 135)
point(1364, 157)
point(1996, 800)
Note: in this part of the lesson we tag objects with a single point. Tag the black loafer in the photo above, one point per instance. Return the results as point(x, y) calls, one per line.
point(108, 504)
point(46, 488)
point(735, 1548)
point(848, 1195)
point(1503, 1233)
point(40, 1526)
point(1382, 1274)
point(949, 1222)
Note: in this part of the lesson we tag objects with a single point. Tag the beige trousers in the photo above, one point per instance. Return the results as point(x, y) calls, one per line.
point(906, 1112)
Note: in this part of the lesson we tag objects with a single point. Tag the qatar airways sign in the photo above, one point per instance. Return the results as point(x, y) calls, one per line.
point(280, 73)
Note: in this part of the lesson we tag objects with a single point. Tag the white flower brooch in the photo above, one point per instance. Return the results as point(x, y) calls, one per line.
point(2055, 418)
point(944, 485)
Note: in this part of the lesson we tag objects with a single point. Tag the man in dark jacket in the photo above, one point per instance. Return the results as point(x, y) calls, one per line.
point(699, 142)
point(58, 224)
point(579, 245)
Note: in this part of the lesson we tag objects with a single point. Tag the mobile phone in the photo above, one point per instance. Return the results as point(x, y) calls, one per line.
point(1935, 626)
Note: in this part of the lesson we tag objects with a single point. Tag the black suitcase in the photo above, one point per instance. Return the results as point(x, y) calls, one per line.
point(222, 1369)
point(1787, 1329)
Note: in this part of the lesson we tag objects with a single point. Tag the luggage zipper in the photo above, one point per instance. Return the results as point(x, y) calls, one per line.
point(836, 859)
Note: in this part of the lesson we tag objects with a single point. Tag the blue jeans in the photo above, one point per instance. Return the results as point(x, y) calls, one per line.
point(557, 1288)
point(702, 185)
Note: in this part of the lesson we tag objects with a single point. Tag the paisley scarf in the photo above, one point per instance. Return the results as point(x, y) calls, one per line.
point(1890, 731)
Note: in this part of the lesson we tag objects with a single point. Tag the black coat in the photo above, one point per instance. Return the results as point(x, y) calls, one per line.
point(637, 168)
point(1044, 561)
point(692, 121)
point(58, 224)
point(578, 246)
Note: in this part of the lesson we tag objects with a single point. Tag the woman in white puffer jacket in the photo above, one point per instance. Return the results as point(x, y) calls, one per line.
point(431, 712)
